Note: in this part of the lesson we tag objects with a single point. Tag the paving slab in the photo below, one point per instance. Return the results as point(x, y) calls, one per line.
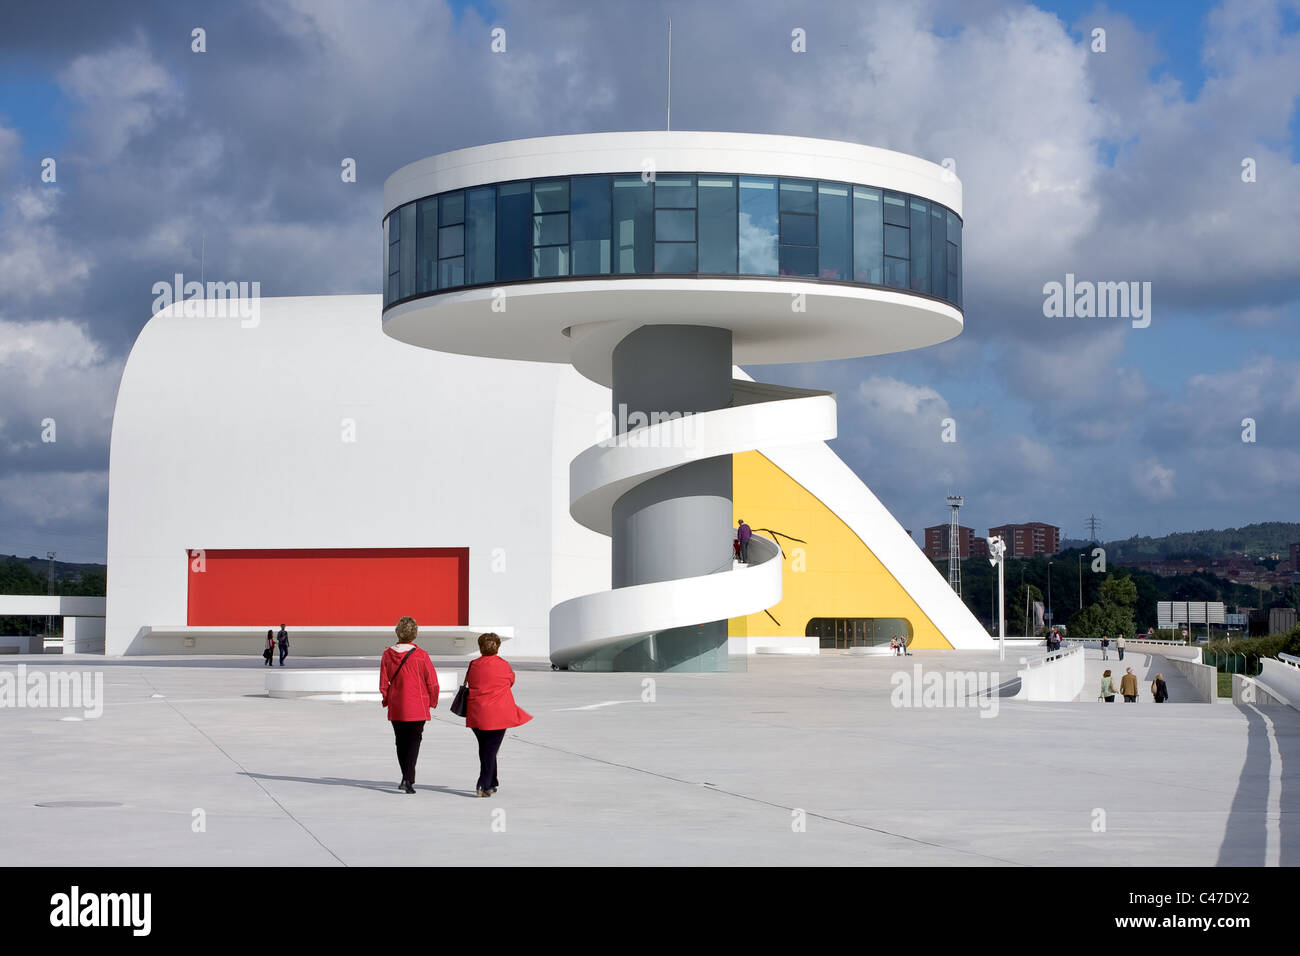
point(790, 761)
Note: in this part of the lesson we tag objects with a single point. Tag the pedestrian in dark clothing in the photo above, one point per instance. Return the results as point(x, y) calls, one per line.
point(743, 534)
point(408, 687)
point(1158, 689)
point(283, 639)
point(268, 652)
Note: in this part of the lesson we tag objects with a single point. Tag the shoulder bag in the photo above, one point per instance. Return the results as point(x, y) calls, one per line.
point(400, 665)
point(461, 703)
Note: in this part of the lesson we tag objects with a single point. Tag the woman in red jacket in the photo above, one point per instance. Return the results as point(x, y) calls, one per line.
point(408, 687)
point(490, 708)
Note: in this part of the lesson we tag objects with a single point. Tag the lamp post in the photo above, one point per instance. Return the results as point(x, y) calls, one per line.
point(1080, 581)
point(1050, 619)
point(49, 589)
point(997, 549)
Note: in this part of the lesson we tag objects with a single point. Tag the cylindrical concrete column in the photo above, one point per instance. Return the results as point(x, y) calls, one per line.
point(676, 525)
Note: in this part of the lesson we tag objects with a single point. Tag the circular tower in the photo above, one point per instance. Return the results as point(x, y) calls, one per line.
point(654, 262)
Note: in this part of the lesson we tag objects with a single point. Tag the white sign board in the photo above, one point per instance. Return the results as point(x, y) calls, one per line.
point(1172, 613)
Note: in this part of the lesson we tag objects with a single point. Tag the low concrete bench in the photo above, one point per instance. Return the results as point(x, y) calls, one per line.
point(326, 683)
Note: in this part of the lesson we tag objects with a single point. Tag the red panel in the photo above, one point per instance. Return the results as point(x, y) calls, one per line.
point(329, 586)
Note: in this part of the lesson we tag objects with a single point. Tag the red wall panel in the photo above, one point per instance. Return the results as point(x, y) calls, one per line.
point(329, 586)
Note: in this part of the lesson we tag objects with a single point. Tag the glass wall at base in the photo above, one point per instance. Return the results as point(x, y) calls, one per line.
point(696, 649)
point(674, 224)
point(845, 632)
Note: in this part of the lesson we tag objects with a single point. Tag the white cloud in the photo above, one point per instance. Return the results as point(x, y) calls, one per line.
point(54, 370)
point(1153, 480)
point(124, 94)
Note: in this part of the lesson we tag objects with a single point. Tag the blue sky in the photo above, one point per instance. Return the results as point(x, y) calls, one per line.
point(1120, 166)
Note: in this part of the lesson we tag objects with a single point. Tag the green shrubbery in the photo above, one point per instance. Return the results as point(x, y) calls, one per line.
point(1269, 646)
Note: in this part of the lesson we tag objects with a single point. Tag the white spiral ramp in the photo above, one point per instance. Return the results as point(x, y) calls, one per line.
point(760, 416)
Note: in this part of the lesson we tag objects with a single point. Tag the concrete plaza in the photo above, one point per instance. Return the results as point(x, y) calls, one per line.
point(717, 769)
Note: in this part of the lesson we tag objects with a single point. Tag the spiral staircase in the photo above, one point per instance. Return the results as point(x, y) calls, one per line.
point(598, 625)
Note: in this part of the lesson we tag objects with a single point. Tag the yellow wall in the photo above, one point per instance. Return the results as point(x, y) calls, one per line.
point(841, 577)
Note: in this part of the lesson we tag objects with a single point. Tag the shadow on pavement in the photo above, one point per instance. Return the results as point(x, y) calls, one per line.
point(381, 786)
point(1245, 838)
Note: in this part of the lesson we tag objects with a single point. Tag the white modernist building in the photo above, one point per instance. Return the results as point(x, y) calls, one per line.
point(574, 418)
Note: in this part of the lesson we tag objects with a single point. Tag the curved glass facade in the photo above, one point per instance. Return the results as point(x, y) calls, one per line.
point(678, 224)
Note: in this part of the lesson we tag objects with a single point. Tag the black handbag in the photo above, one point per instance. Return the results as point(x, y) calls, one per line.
point(461, 702)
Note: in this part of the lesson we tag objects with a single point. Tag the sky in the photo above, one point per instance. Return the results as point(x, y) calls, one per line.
point(1115, 164)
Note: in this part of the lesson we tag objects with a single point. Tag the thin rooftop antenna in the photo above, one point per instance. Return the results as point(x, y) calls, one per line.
point(669, 125)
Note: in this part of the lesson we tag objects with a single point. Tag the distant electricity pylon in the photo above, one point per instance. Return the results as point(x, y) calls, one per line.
point(954, 545)
point(1093, 523)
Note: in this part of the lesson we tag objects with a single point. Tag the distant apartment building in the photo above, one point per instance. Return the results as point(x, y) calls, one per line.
point(1029, 539)
point(936, 543)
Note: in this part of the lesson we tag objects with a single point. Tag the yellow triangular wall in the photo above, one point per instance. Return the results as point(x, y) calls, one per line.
point(835, 576)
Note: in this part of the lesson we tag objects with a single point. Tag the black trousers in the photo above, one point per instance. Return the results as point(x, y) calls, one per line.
point(489, 742)
point(408, 734)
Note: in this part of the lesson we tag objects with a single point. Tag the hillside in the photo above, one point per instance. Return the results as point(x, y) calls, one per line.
point(1268, 537)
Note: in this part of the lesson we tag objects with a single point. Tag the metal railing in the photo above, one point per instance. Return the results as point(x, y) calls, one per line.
point(1232, 662)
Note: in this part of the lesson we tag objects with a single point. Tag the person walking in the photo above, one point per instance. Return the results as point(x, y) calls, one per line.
point(1107, 688)
point(408, 687)
point(268, 652)
point(1128, 686)
point(490, 708)
point(743, 534)
point(1119, 646)
point(1158, 689)
point(1105, 643)
point(283, 639)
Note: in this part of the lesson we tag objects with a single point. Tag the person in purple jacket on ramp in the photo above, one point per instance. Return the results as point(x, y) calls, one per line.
point(743, 534)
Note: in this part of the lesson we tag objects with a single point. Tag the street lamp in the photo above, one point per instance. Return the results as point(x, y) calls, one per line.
point(997, 552)
point(49, 589)
point(1050, 619)
point(1080, 580)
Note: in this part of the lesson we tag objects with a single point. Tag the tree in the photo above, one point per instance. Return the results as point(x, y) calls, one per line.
point(1112, 616)
point(1016, 610)
point(1119, 591)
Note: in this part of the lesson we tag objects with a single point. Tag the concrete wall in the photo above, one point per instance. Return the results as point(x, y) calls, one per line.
point(232, 436)
point(1058, 676)
point(1247, 690)
point(1203, 678)
point(83, 635)
point(1283, 679)
point(22, 644)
